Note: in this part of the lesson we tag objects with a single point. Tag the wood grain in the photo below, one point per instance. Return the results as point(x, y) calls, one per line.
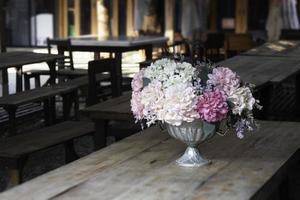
point(142, 167)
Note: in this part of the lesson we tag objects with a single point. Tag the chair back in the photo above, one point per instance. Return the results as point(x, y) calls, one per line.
point(197, 50)
point(97, 68)
point(63, 47)
point(237, 43)
point(213, 45)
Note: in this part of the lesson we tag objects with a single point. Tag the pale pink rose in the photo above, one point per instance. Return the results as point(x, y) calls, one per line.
point(212, 106)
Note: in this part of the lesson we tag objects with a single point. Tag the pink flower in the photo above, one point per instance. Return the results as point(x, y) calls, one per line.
point(224, 79)
point(212, 106)
point(136, 105)
point(137, 81)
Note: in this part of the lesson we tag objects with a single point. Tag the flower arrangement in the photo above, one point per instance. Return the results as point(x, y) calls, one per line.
point(173, 91)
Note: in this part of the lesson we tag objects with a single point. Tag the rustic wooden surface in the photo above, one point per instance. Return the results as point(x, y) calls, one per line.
point(19, 145)
point(36, 94)
point(260, 70)
point(120, 41)
point(18, 59)
point(112, 109)
point(142, 167)
point(14, 59)
point(281, 48)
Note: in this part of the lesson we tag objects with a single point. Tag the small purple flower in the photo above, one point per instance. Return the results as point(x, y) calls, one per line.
point(212, 106)
point(241, 126)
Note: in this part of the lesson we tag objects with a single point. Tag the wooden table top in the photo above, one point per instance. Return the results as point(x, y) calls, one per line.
point(286, 48)
point(120, 41)
point(260, 70)
point(16, 59)
point(142, 167)
point(112, 109)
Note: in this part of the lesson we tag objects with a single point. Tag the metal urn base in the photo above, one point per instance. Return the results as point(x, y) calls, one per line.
point(192, 134)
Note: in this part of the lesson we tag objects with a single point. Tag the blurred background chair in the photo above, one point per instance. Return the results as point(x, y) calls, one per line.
point(65, 65)
point(237, 43)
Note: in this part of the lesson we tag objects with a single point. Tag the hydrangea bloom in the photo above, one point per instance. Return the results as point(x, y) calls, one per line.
point(224, 79)
point(169, 72)
point(180, 104)
point(137, 81)
point(137, 107)
point(173, 92)
point(152, 97)
point(242, 99)
point(212, 106)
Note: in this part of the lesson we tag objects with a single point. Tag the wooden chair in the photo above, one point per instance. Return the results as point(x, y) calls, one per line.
point(101, 90)
point(65, 65)
point(288, 34)
point(237, 43)
point(213, 45)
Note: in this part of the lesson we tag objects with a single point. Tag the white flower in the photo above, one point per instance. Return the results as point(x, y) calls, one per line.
point(152, 98)
point(180, 104)
point(242, 99)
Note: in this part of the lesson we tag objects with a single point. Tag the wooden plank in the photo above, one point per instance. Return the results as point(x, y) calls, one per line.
point(77, 15)
point(77, 172)
point(62, 18)
point(16, 146)
point(94, 26)
point(113, 109)
point(239, 168)
point(13, 59)
point(103, 30)
point(241, 16)
point(261, 70)
point(36, 94)
point(281, 48)
point(169, 19)
point(115, 18)
point(130, 18)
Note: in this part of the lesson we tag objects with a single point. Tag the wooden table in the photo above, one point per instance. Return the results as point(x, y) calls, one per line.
point(118, 46)
point(142, 167)
point(260, 70)
point(112, 109)
point(281, 48)
point(18, 59)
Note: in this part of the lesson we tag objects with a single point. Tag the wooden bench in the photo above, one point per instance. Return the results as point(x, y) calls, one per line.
point(45, 95)
point(24, 112)
point(15, 150)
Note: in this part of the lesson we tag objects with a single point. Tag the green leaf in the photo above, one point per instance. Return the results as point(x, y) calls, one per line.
point(146, 82)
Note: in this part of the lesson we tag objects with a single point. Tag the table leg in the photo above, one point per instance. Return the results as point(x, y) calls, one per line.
point(19, 79)
point(51, 65)
point(148, 52)
point(4, 82)
point(118, 57)
point(100, 134)
point(11, 110)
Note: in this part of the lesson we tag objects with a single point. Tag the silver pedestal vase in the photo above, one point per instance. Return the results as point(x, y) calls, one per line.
point(192, 134)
